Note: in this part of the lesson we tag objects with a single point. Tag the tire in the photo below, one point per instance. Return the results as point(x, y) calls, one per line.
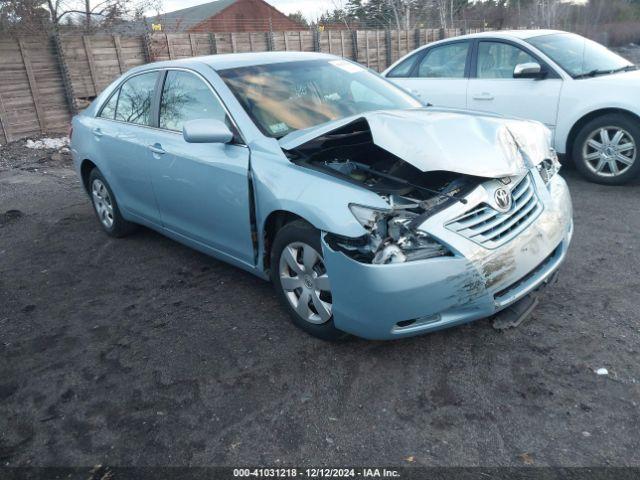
point(106, 208)
point(597, 155)
point(295, 249)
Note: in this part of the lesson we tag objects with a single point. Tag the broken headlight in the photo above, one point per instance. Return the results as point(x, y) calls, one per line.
point(392, 239)
point(549, 167)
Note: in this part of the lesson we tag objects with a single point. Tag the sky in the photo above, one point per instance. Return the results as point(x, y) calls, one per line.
point(310, 8)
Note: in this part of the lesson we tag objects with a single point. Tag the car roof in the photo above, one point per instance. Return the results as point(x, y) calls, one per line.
point(236, 60)
point(510, 34)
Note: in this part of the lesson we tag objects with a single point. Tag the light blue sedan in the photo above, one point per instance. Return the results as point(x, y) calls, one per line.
point(370, 214)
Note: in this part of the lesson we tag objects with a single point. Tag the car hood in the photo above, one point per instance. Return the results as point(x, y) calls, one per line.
point(432, 139)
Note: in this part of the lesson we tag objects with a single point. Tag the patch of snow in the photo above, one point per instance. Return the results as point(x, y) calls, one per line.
point(602, 371)
point(48, 143)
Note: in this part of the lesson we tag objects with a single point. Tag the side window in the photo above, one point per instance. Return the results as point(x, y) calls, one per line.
point(498, 60)
point(186, 97)
point(109, 110)
point(446, 61)
point(404, 69)
point(136, 97)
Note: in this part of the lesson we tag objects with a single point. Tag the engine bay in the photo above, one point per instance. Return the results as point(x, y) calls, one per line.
point(349, 153)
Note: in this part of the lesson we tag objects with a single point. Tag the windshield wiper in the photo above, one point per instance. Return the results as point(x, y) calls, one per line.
point(628, 68)
point(596, 72)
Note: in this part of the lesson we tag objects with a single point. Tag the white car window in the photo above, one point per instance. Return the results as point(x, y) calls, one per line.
point(499, 60)
point(405, 67)
point(446, 61)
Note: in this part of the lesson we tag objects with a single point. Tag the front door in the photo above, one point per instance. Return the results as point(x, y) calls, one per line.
point(202, 189)
point(493, 88)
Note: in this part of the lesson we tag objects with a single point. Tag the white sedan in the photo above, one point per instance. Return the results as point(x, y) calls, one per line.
point(588, 96)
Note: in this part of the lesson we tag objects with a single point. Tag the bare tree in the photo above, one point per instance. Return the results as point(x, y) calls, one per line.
point(441, 7)
point(38, 14)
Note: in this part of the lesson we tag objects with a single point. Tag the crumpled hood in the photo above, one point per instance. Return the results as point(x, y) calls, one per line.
point(458, 141)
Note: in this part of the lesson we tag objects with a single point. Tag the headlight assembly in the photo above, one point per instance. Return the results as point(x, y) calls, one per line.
point(366, 216)
point(391, 238)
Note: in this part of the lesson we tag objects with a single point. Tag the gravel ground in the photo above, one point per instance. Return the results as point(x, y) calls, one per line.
point(143, 352)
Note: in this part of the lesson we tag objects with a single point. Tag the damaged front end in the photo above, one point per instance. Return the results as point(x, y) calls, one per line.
point(392, 234)
point(392, 154)
point(468, 217)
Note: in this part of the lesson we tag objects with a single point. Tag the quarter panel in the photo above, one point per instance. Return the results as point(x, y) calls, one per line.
point(582, 97)
point(319, 198)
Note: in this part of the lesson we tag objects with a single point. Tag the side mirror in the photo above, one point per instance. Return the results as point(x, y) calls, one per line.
point(206, 131)
point(527, 70)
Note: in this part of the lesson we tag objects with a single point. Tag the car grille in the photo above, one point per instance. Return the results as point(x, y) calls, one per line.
point(490, 228)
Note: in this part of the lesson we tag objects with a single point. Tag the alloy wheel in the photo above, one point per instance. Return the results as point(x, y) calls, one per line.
point(305, 282)
point(102, 202)
point(609, 151)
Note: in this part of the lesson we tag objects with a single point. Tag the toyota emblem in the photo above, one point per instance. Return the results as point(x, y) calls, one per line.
point(503, 199)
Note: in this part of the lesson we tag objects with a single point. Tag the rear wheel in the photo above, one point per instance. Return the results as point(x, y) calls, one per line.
point(301, 280)
point(106, 207)
point(606, 149)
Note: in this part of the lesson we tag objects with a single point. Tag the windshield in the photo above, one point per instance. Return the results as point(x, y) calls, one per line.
point(579, 56)
point(284, 97)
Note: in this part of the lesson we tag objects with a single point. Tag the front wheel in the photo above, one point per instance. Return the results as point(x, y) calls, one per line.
point(606, 149)
point(301, 280)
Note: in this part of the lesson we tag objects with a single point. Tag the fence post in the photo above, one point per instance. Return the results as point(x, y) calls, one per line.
point(4, 122)
point(354, 41)
point(316, 40)
point(169, 46)
point(387, 39)
point(194, 48)
point(146, 46)
point(213, 44)
point(270, 41)
point(116, 43)
point(66, 77)
point(233, 43)
point(92, 68)
point(366, 43)
point(380, 67)
point(33, 86)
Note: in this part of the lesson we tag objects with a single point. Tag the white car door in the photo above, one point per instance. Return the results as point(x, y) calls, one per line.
point(437, 75)
point(493, 88)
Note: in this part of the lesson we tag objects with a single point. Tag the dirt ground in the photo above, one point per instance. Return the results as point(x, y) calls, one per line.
point(143, 352)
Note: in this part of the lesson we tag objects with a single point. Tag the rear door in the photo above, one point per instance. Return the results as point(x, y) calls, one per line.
point(202, 188)
point(438, 75)
point(492, 87)
point(123, 132)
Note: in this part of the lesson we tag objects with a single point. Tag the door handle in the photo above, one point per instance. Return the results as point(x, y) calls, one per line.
point(97, 132)
point(416, 93)
point(157, 149)
point(483, 96)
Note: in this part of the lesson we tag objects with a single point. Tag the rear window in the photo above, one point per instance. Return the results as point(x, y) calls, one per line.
point(132, 101)
point(404, 69)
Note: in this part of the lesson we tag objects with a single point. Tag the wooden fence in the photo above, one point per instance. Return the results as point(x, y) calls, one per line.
point(32, 91)
point(44, 80)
